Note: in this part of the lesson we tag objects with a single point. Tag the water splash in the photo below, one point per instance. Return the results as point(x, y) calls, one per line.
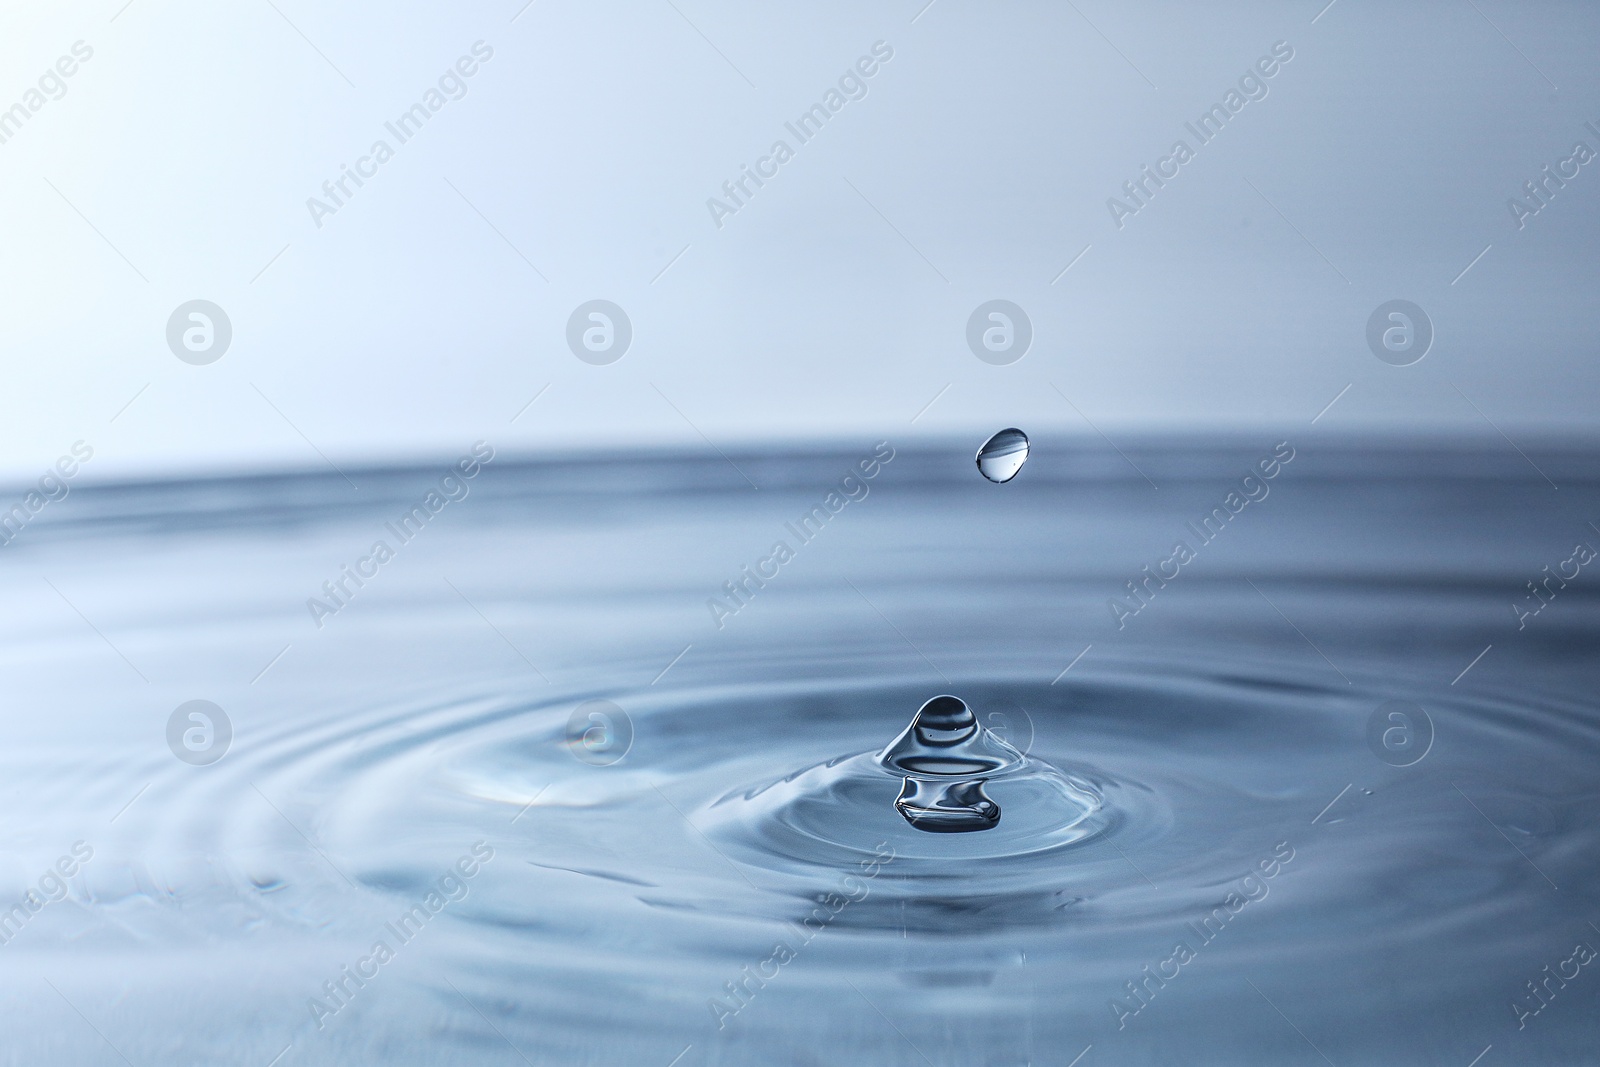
point(943, 776)
point(945, 738)
point(947, 756)
point(947, 807)
point(1003, 455)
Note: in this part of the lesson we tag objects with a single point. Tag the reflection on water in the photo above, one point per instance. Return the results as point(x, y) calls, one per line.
point(523, 798)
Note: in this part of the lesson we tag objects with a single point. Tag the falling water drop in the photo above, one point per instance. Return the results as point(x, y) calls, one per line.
point(947, 757)
point(1003, 455)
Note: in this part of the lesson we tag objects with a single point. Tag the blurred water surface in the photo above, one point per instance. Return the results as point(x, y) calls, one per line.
point(418, 764)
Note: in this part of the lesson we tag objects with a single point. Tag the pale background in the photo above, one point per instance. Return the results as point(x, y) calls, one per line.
point(178, 163)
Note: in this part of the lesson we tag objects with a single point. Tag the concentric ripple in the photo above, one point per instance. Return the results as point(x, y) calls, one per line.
point(1212, 775)
point(1099, 820)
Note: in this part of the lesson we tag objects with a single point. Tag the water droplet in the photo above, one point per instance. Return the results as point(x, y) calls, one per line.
point(946, 773)
point(1003, 455)
point(947, 756)
point(946, 738)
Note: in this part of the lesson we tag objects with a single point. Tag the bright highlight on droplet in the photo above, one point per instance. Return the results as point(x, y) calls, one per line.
point(1003, 455)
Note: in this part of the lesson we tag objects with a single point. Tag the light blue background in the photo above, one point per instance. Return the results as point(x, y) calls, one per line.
point(835, 303)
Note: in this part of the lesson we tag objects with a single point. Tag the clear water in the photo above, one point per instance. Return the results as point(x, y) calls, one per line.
point(1002, 456)
point(947, 762)
point(591, 820)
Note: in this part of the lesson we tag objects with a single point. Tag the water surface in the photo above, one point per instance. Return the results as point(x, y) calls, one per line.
point(691, 875)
